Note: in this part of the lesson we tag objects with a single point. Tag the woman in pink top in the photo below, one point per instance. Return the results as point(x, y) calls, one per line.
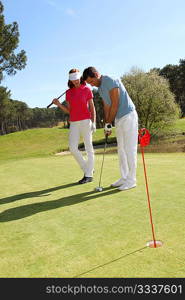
point(80, 106)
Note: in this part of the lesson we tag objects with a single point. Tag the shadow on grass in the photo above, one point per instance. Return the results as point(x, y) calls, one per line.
point(41, 193)
point(109, 262)
point(31, 209)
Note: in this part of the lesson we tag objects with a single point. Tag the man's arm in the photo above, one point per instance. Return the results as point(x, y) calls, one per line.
point(113, 108)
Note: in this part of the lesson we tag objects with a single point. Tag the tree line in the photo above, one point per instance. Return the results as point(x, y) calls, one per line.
point(175, 74)
point(159, 95)
point(16, 115)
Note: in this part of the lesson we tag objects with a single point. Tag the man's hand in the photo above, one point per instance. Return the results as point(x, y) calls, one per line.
point(108, 129)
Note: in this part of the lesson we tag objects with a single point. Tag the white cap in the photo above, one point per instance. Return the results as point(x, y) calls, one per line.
point(74, 76)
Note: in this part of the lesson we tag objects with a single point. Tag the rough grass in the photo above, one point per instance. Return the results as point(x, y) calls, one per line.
point(39, 142)
point(33, 143)
point(48, 141)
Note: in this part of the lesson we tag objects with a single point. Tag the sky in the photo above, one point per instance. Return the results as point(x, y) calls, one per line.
point(112, 35)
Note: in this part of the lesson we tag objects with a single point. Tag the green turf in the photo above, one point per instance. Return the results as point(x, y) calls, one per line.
point(42, 142)
point(33, 143)
point(39, 142)
point(180, 125)
point(51, 227)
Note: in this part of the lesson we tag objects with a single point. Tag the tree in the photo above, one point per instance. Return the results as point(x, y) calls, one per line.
point(9, 41)
point(176, 77)
point(21, 114)
point(154, 101)
point(4, 108)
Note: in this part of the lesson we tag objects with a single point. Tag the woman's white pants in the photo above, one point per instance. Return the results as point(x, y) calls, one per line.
point(82, 129)
point(127, 141)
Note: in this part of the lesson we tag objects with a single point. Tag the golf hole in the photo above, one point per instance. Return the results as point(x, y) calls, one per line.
point(155, 244)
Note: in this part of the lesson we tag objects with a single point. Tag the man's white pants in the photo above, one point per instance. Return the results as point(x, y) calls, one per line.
point(127, 140)
point(77, 129)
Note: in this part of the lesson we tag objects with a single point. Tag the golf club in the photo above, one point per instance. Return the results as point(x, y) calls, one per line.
point(99, 188)
point(56, 98)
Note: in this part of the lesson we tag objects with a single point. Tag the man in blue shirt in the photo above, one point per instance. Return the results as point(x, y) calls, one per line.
point(118, 106)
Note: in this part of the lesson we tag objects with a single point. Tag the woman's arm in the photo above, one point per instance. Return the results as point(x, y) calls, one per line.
point(92, 111)
point(62, 107)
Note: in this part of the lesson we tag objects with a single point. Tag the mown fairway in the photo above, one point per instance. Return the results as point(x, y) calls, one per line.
point(51, 227)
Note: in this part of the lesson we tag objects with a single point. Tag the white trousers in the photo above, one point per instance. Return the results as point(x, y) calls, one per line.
point(78, 129)
point(127, 140)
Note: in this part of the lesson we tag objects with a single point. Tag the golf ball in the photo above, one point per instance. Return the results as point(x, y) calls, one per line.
point(99, 189)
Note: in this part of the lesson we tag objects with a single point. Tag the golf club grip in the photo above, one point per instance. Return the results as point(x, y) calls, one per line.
point(56, 98)
point(49, 104)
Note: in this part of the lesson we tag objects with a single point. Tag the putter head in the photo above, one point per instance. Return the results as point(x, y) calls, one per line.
point(98, 189)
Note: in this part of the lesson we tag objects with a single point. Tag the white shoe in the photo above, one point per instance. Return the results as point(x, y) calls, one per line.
point(125, 187)
point(117, 183)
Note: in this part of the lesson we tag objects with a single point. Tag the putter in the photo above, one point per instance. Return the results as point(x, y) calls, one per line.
point(99, 188)
point(56, 98)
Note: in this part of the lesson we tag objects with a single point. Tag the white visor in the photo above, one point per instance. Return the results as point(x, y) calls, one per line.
point(74, 76)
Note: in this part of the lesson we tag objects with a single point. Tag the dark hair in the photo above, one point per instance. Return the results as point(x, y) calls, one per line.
point(70, 84)
point(89, 72)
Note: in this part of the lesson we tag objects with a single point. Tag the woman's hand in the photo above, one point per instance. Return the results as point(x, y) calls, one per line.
point(93, 127)
point(56, 101)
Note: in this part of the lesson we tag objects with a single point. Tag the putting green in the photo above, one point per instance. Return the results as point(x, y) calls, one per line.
point(52, 227)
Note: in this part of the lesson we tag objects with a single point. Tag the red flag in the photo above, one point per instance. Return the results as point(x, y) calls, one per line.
point(144, 137)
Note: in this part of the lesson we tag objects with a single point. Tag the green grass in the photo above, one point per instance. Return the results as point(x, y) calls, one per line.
point(51, 227)
point(39, 142)
point(170, 140)
point(43, 142)
point(177, 128)
point(48, 141)
point(180, 125)
point(33, 143)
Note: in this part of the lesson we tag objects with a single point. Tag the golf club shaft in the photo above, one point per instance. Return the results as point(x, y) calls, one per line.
point(106, 139)
point(56, 98)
